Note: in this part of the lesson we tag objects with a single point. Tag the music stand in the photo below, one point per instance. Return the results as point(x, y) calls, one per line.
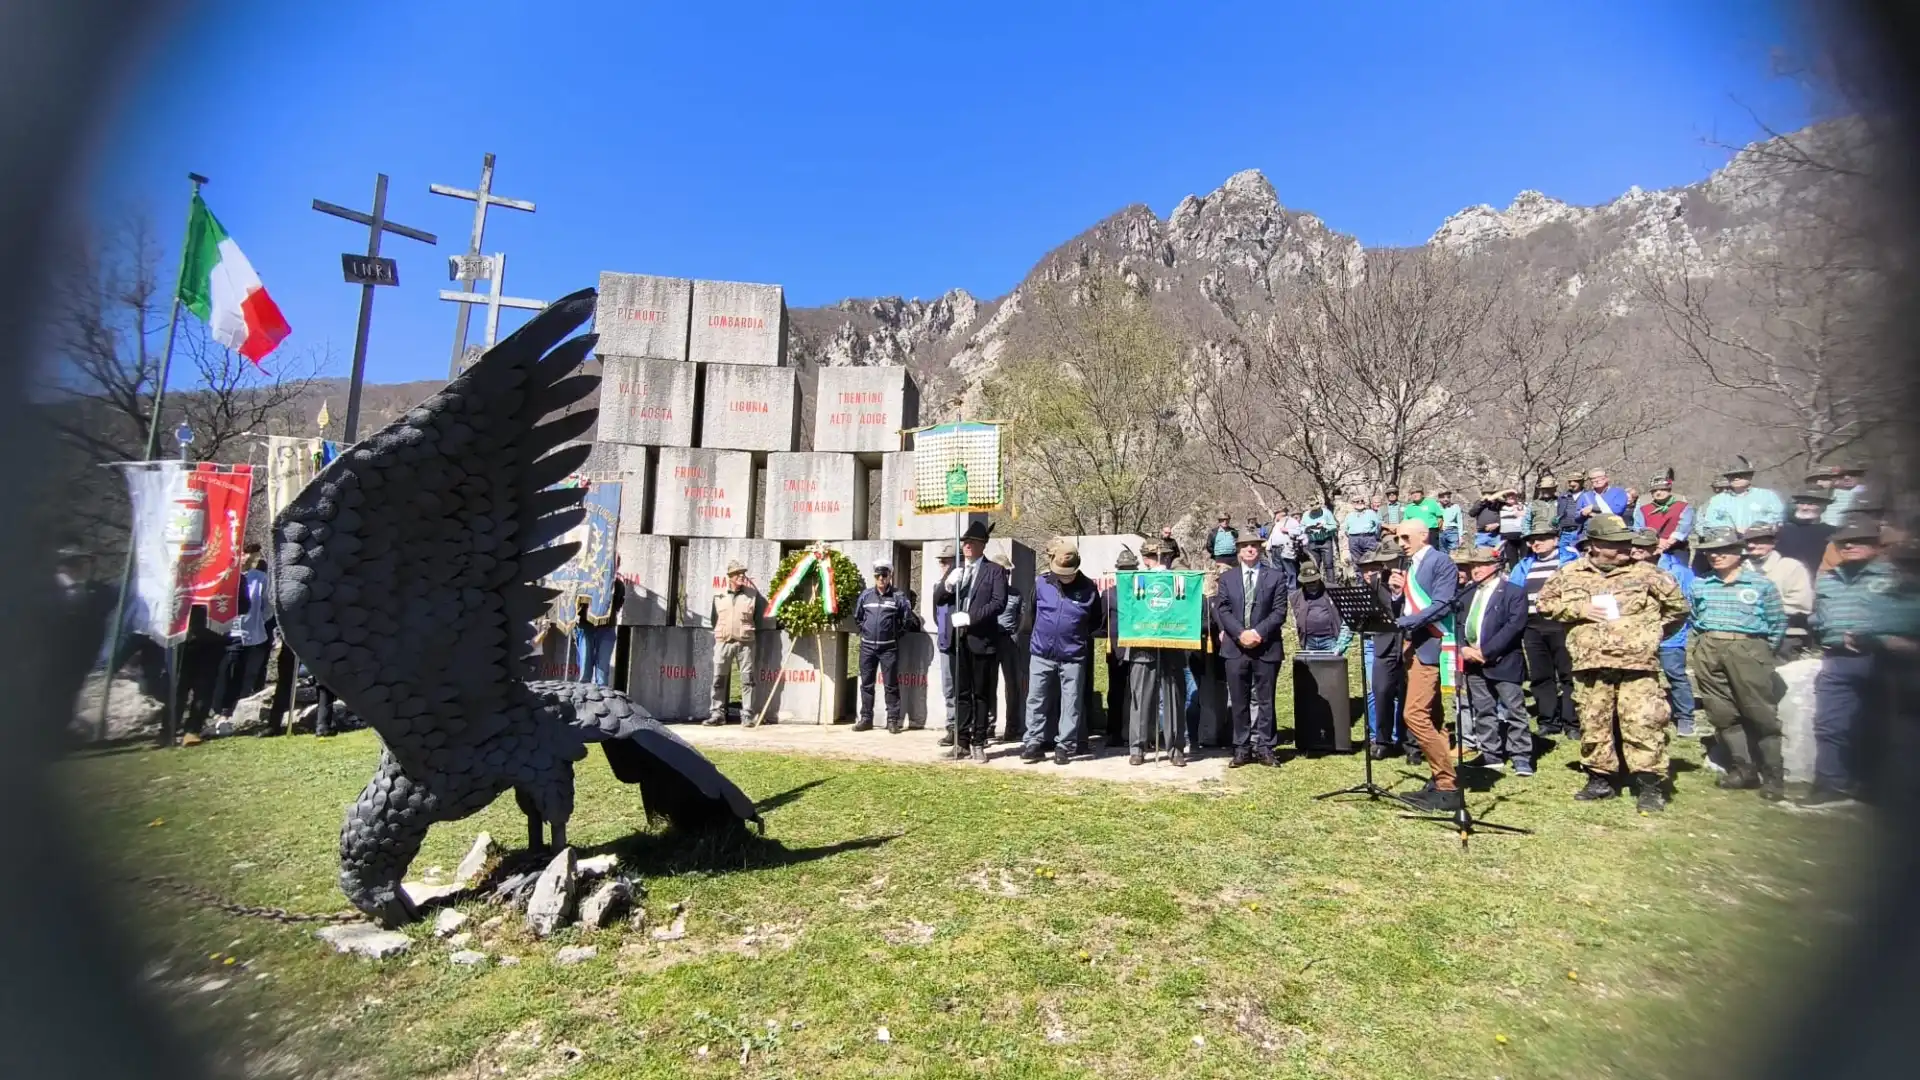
point(1359, 607)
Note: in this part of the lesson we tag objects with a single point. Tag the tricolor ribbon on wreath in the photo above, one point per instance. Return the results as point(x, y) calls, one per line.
point(816, 562)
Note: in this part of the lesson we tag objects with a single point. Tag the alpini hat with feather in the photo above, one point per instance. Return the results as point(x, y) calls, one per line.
point(1609, 529)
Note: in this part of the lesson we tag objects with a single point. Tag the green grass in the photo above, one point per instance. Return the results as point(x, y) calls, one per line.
point(1077, 929)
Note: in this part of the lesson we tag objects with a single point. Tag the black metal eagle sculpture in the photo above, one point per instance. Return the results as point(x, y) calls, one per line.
point(406, 578)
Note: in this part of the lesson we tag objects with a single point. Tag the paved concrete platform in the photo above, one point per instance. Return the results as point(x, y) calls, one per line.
point(840, 740)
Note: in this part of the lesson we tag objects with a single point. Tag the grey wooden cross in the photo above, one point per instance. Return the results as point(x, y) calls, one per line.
point(496, 281)
point(473, 266)
point(376, 224)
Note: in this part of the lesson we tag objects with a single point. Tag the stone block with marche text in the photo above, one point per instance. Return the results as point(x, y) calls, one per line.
point(898, 521)
point(803, 680)
point(747, 407)
point(704, 574)
point(646, 401)
point(703, 493)
point(815, 496)
point(642, 315)
point(670, 672)
point(863, 409)
point(735, 322)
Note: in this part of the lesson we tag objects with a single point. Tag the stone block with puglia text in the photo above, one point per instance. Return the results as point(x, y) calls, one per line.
point(643, 315)
point(735, 322)
point(863, 409)
point(746, 407)
point(703, 493)
point(815, 496)
point(670, 672)
point(704, 573)
point(646, 401)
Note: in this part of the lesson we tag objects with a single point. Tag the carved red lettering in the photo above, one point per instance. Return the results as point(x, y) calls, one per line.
point(675, 671)
point(859, 397)
point(737, 322)
point(801, 485)
point(873, 418)
point(839, 418)
point(643, 315)
point(748, 406)
point(691, 472)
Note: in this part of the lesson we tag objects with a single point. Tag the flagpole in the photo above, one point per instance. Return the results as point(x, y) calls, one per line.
point(153, 444)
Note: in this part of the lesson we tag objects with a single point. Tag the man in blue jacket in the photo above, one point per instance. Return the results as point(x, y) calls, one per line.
point(1067, 615)
point(1490, 652)
point(1250, 608)
point(1429, 584)
point(882, 614)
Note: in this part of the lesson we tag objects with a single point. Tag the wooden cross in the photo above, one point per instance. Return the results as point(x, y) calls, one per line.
point(469, 268)
point(376, 224)
point(496, 280)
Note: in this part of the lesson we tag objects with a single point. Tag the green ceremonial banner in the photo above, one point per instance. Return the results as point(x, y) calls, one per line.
point(1160, 609)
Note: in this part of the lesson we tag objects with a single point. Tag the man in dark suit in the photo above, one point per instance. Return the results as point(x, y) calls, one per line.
point(977, 589)
point(1429, 584)
point(1250, 607)
point(1490, 651)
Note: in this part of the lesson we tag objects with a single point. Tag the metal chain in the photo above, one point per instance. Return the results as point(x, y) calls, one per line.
point(209, 898)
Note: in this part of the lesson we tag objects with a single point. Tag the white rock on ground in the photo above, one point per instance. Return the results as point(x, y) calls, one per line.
point(575, 954)
point(446, 921)
point(598, 866)
point(606, 902)
point(552, 901)
point(678, 929)
point(475, 863)
point(365, 939)
point(468, 958)
point(422, 893)
point(460, 940)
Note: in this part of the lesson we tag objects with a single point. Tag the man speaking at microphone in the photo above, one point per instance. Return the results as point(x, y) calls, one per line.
point(1429, 584)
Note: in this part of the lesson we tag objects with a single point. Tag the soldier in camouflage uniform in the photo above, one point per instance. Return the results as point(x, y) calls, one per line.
point(1619, 611)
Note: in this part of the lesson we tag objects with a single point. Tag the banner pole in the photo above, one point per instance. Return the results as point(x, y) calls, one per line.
point(153, 442)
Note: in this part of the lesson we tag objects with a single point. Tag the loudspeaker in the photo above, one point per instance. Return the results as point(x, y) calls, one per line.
point(1322, 706)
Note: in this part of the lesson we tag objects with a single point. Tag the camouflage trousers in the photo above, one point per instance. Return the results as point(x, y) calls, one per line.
point(1629, 702)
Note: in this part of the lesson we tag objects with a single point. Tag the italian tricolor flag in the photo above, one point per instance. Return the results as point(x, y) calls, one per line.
point(218, 284)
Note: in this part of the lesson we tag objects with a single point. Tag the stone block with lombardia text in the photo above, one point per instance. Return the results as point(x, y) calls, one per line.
point(746, 407)
point(646, 401)
point(803, 680)
point(816, 496)
point(898, 520)
point(703, 573)
point(735, 322)
point(643, 315)
point(703, 492)
point(863, 409)
point(670, 672)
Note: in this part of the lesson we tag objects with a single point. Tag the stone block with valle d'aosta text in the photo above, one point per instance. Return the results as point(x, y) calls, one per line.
point(803, 680)
point(898, 520)
point(646, 570)
point(738, 323)
point(643, 315)
point(704, 573)
point(816, 496)
point(746, 407)
point(645, 401)
point(670, 673)
point(703, 493)
point(863, 409)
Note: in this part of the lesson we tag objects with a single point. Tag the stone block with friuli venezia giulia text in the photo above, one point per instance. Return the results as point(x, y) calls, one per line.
point(735, 322)
point(642, 315)
point(670, 672)
point(816, 496)
point(744, 407)
point(863, 409)
point(703, 493)
point(646, 401)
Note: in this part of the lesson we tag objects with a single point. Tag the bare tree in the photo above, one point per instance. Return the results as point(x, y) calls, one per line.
point(1092, 404)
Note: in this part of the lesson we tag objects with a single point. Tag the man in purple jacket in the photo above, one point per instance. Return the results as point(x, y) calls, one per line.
point(1067, 615)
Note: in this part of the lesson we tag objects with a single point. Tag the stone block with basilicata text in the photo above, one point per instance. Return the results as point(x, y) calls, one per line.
point(803, 680)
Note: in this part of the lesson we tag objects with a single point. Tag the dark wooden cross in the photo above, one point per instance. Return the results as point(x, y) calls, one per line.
point(376, 224)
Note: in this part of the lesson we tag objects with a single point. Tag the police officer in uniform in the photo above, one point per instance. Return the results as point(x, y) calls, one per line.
point(883, 614)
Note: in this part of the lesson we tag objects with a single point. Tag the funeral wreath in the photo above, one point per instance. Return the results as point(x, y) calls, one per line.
point(813, 589)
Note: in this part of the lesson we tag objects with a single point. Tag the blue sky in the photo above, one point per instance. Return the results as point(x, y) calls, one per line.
point(860, 149)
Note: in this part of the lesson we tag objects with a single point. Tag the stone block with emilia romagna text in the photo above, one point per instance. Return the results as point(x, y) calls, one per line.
point(816, 496)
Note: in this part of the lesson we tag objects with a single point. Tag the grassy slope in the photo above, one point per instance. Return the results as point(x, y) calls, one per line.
point(1297, 938)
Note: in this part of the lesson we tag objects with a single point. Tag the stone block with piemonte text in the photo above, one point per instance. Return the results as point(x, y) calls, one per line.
point(641, 315)
point(670, 672)
point(747, 407)
point(898, 520)
point(803, 680)
point(646, 401)
point(703, 574)
point(646, 570)
point(815, 496)
point(863, 409)
point(703, 493)
point(736, 322)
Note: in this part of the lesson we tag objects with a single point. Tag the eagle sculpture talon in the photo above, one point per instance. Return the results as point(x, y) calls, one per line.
point(415, 606)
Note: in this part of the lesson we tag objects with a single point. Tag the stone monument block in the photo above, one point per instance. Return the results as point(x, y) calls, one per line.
point(632, 468)
point(815, 496)
point(704, 574)
point(865, 553)
point(738, 323)
point(1098, 554)
point(917, 689)
point(1021, 578)
point(703, 493)
point(803, 680)
point(643, 315)
point(746, 407)
point(646, 569)
point(646, 401)
point(897, 518)
point(863, 409)
point(670, 676)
